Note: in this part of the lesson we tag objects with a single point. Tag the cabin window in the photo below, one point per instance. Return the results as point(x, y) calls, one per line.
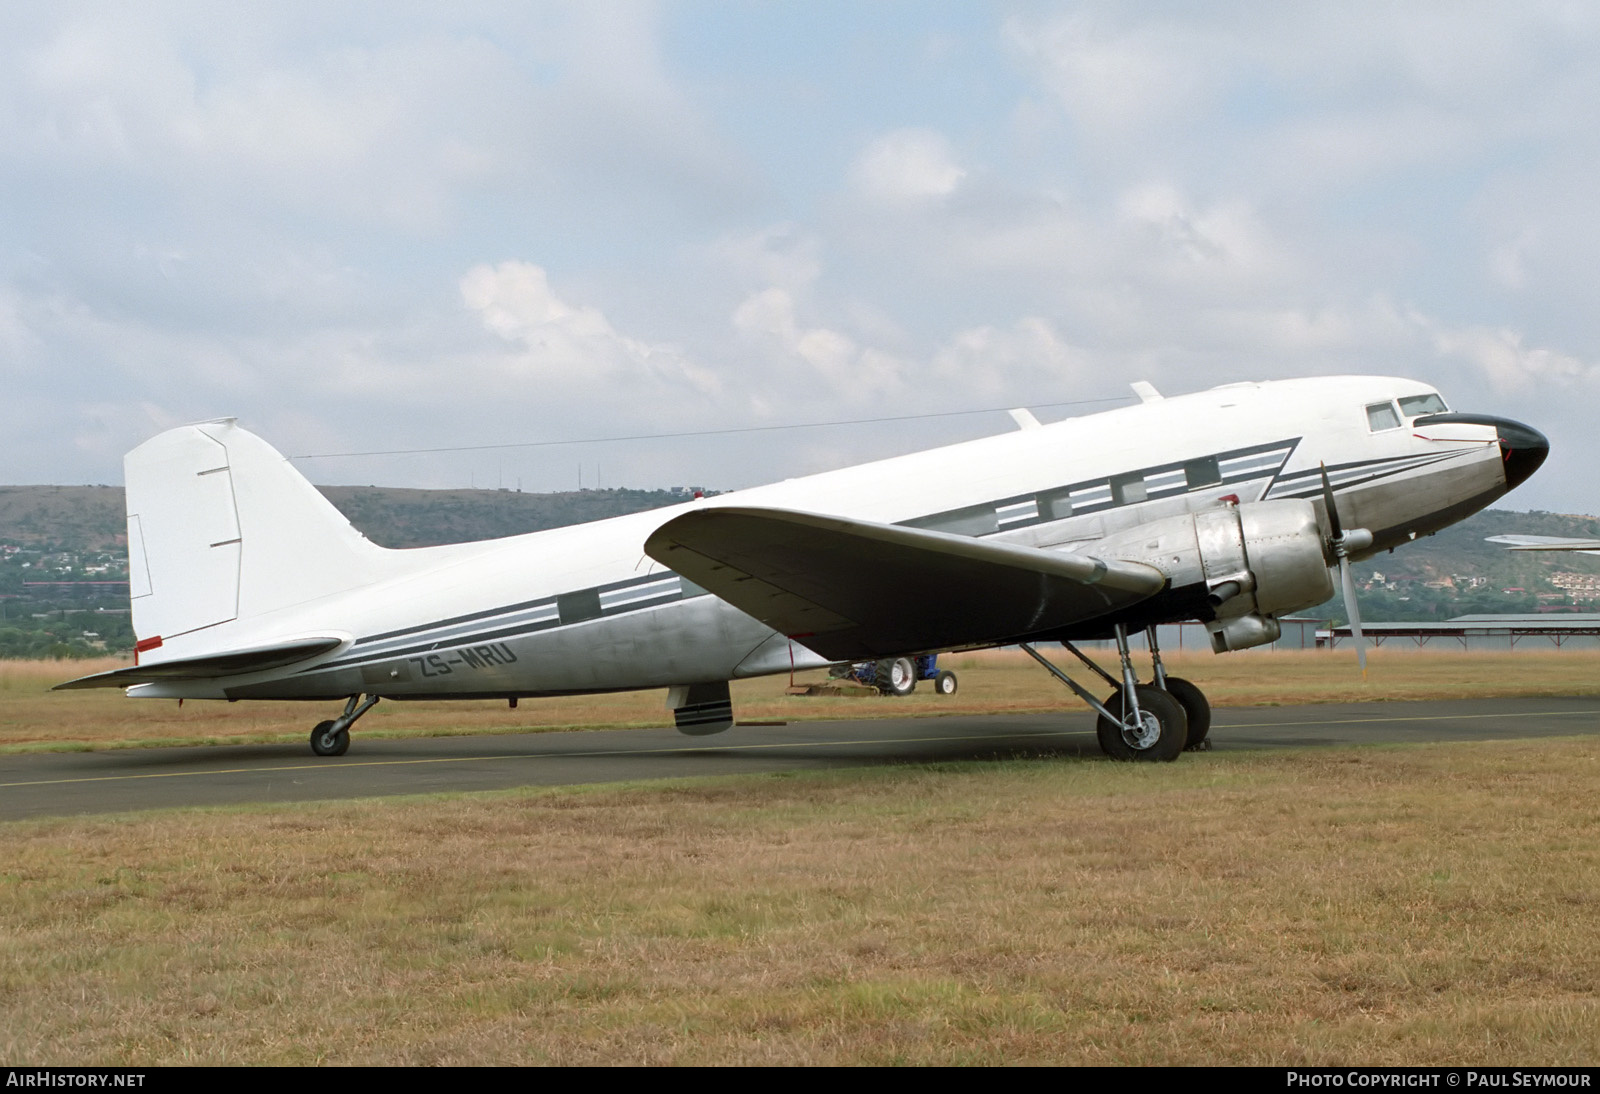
point(1202, 472)
point(1129, 489)
point(1381, 416)
point(1413, 405)
point(578, 606)
point(1055, 504)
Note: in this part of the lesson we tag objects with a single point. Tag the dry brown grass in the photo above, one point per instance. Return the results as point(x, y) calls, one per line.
point(32, 717)
point(1424, 905)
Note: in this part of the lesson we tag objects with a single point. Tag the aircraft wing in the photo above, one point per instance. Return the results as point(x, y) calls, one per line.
point(854, 590)
point(207, 667)
point(1547, 543)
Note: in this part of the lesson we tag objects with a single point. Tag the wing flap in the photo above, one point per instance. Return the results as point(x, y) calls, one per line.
point(855, 590)
point(208, 667)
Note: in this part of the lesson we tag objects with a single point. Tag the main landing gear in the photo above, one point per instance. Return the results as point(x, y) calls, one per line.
point(332, 738)
point(1154, 721)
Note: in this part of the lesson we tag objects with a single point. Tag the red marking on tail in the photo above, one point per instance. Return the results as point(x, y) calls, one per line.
point(145, 644)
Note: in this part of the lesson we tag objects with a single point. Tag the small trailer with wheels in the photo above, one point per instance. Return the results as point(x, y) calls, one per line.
point(899, 675)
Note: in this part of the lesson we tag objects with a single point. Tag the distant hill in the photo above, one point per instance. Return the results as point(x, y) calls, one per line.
point(64, 565)
point(1461, 548)
point(63, 561)
point(395, 517)
point(63, 518)
point(1455, 572)
point(88, 519)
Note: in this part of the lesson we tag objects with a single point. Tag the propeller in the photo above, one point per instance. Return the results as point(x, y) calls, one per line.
point(1343, 543)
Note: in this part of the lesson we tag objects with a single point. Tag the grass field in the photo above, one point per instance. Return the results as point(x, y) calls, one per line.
point(1432, 904)
point(1417, 905)
point(32, 717)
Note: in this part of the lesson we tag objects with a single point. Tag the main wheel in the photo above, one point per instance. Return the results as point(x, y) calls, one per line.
point(326, 742)
point(945, 683)
point(1159, 733)
point(897, 676)
point(1196, 709)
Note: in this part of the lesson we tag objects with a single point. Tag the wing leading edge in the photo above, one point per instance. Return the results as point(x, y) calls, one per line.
point(855, 590)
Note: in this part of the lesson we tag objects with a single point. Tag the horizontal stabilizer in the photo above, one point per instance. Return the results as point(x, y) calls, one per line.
point(854, 590)
point(211, 666)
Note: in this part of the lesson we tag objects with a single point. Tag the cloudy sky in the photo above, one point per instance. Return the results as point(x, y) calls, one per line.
point(390, 226)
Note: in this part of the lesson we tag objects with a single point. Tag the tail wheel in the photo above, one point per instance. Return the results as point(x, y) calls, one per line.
point(1159, 732)
point(896, 676)
point(328, 741)
point(945, 683)
point(1196, 708)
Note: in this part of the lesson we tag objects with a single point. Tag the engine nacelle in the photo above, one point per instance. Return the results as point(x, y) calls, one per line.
point(1252, 562)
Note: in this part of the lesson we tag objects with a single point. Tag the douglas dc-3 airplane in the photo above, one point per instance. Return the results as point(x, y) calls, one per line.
point(1229, 506)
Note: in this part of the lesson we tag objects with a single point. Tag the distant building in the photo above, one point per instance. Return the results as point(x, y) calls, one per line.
point(1583, 588)
point(1481, 632)
point(1297, 634)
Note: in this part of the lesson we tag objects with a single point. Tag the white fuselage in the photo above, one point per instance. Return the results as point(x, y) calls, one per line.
point(584, 609)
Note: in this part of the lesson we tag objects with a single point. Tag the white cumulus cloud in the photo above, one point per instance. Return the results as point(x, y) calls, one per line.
point(767, 318)
point(566, 344)
point(908, 165)
point(1508, 365)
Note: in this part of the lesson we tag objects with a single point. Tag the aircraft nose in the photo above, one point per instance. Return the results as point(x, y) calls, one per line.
point(1522, 447)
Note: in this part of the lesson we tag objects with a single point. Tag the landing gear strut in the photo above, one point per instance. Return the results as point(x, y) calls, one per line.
point(332, 738)
point(1137, 721)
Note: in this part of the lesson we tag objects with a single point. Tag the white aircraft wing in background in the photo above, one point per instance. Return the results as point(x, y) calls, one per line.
point(1547, 543)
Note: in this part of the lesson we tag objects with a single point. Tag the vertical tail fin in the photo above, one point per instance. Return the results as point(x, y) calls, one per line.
point(221, 527)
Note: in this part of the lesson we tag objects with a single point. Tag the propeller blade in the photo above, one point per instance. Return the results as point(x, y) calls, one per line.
point(1332, 506)
point(1359, 539)
point(1348, 580)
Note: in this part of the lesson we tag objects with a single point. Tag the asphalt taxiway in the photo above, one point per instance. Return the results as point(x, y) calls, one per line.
point(122, 780)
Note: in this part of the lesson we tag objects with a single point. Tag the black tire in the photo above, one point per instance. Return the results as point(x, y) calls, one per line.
point(1196, 709)
point(896, 676)
point(1160, 735)
point(325, 742)
point(945, 683)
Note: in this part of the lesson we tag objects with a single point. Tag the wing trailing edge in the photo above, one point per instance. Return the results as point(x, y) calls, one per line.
point(855, 590)
point(210, 666)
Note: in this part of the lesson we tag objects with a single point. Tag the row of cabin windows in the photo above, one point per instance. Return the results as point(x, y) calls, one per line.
point(1131, 489)
point(982, 520)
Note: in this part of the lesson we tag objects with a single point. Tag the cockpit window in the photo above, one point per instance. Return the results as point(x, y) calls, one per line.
point(1413, 405)
point(1381, 416)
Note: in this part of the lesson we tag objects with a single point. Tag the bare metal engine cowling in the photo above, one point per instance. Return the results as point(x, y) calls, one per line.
point(1255, 561)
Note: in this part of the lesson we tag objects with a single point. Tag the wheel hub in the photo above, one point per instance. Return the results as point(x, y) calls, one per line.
point(1141, 732)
